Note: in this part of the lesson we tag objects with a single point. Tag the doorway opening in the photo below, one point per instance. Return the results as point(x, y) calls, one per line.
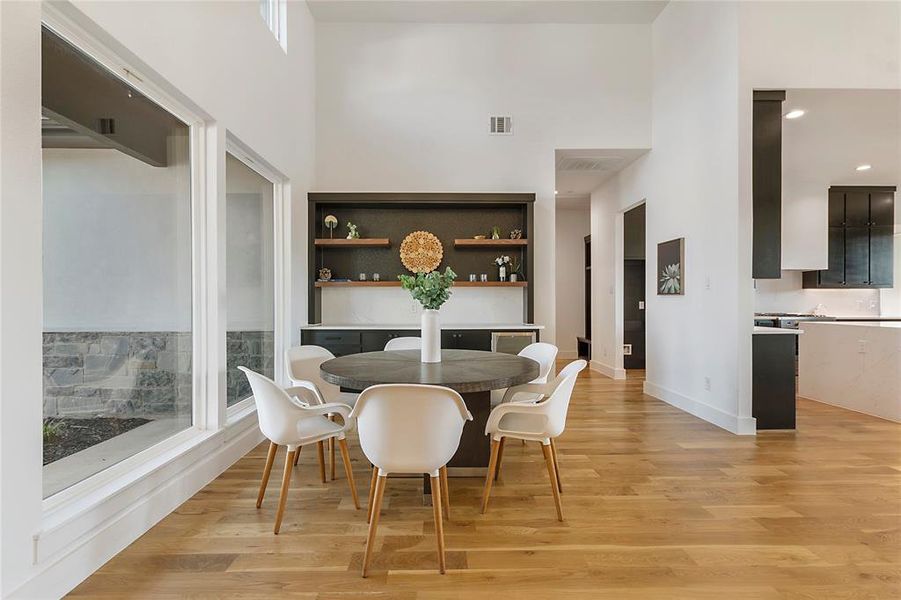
point(634, 288)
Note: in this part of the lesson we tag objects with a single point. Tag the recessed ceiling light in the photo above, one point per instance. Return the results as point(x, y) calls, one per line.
point(794, 114)
point(864, 167)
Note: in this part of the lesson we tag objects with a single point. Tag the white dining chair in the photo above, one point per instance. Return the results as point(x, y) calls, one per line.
point(539, 422)
point(302, 365)
point(407, 428)
point(404, 343)
point(288, 423)
point(544, 354)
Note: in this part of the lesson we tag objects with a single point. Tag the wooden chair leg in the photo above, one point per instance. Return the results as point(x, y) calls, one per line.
point(556, 466)
point(349, 472)
point(283, 498)
point(439, 521)
point(489, 477)
point(372, 486)
point(374, 522)
point(331, 449)
point(445, 491)
point(320, 446)
point(270, 458)
point(552, 473)
point(500, 456)
point(297, 456)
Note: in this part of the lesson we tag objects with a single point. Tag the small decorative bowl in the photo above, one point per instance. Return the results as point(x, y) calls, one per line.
point(478, 237)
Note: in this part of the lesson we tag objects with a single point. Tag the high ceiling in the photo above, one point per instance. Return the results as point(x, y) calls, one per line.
point(580, 172)
point(612, 12)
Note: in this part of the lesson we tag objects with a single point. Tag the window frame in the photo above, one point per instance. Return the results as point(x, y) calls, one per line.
point(280, 199)
point(68, 502)
point(277, 20)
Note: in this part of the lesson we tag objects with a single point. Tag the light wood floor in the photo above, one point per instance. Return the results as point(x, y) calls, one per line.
point(658, 504)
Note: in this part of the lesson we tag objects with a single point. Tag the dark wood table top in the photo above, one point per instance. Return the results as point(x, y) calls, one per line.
point(462, 370)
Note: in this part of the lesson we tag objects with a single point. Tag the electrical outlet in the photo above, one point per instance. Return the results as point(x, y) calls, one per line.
point(862, 346)
point(641, 305)
point(627, 349)
point(707, 383)
point(707, 282)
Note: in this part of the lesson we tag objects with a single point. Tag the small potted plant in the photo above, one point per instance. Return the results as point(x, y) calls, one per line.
point(515, 270)
point(352, 233)
point(502, 262)
point(431, 290)
point(495, 233)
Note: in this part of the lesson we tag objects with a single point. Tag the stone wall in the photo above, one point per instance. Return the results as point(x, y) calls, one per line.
point(110, 373)
point(138, 374)
point(251, 349)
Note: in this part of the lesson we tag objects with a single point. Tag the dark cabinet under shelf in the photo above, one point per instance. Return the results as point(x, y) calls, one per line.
point(861, 239)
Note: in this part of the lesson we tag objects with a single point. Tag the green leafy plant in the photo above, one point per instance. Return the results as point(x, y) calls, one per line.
point(52, 429)
point(495, 233)
point(430, 289)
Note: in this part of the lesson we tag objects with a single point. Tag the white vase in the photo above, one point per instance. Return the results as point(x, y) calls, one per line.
point(431, 337)
point(502, 273)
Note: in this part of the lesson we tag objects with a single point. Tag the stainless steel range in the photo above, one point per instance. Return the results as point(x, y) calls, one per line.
point(787, 320)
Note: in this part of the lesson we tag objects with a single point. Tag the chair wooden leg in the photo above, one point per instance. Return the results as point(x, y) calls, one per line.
point(552, 473)
point(445, 491)
point(297, 456)
point(556, 466)
point(372, 486)
point(283, 498)
point(500, 456)
point(349, 472)
point(439, 521)
point(270, 458)
point(489, 477)
point(320, 446)
point(374, 522)
point(331, 449)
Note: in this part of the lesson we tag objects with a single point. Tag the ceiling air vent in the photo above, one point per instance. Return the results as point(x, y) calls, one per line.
point(501, 126)
point(588, 163)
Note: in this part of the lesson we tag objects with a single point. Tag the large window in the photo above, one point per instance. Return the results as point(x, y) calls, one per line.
point(249, 277)
point(117, 270)
point(274, 15)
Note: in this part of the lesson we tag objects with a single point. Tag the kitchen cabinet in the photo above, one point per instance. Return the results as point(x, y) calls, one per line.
point(342, 342)
point(861, 241)
point(766, 177)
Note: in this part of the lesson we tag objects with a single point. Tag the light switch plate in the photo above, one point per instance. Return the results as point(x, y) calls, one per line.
point(627, 349)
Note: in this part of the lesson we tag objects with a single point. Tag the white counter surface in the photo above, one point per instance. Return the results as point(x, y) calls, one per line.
point(758, 330)
point(883, 324)
point(486, 326)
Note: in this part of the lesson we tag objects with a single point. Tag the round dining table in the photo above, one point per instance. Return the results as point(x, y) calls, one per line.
point(472, 373)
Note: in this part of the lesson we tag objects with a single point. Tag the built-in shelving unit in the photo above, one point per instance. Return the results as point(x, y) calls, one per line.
point(383, 217)
point(487, 243)
point(322, 284)
point(353, 243)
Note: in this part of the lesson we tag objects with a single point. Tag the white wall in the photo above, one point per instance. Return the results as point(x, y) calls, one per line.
point(191, 48)
point(405, 107)
point(787, 295)
point(572, 225)
point(117, 242)
point(689, 181)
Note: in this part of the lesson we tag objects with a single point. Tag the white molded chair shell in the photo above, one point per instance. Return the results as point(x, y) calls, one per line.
point(409, 428)
point(544, 354)
point(404, 343)
point(541, 421)
point(302, 365)
point(288, 423)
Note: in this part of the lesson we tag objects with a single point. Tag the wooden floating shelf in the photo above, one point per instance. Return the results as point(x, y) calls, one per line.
point(471, 243)
point(355, 243)
point(322, 284)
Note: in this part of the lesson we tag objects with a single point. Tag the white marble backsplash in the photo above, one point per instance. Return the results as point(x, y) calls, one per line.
point(393, 305)
point(788, 296)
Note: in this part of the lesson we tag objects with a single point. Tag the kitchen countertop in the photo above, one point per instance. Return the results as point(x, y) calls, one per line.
point(380, 326)
point(884, 324)
point(758, 330)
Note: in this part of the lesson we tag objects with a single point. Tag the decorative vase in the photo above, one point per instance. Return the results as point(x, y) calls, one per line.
point(502, 273)
point(514, 277)
point(431, 336)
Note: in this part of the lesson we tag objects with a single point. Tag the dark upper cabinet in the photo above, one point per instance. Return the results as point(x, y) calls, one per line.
point(881, 256)
point(766, 262)
point(882, 209)
point(861, 240)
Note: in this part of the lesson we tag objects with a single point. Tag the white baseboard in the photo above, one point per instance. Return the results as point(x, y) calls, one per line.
point(732, 423)
point(116, 528)
point(604, 369)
